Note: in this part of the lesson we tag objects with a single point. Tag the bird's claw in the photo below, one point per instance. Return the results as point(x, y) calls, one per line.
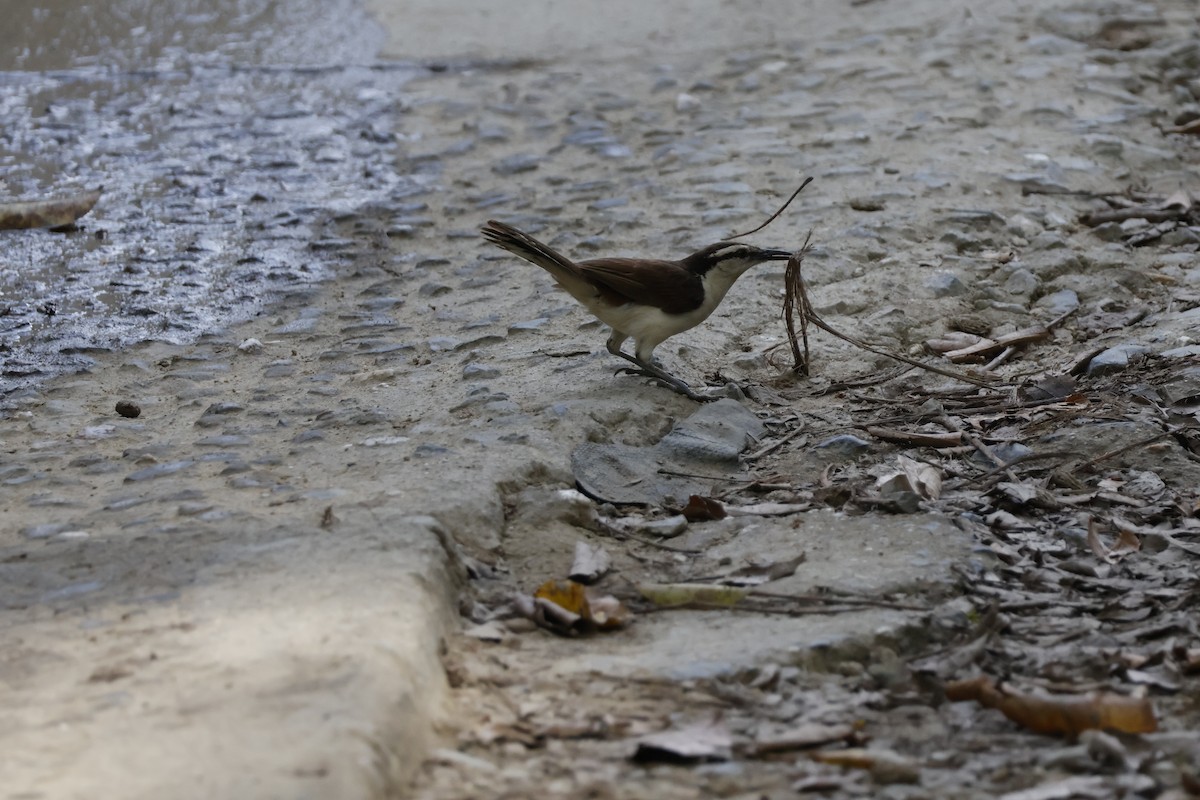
point(676, 385)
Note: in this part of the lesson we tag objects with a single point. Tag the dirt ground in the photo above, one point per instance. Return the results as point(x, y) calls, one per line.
point(955, 163)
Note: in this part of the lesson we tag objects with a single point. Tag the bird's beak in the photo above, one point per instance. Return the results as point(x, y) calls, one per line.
point(777, 255)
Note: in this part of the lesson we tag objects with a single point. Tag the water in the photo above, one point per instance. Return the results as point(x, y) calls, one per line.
point(225, 134)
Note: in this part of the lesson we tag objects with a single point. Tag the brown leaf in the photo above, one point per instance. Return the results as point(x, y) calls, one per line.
point(702, 509)
point(567, 595)
point(683, 594)
point(1066, 715)
point(567, 607)
point(46, 213)
point(1127, 544)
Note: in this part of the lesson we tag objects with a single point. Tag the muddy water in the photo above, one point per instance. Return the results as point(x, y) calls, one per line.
point(225, 135)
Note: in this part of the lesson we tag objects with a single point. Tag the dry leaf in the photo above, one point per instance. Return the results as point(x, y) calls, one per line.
point(1066, 715)
point(925, 479)
point(568, 607)
point(702, 742)
point(702, 509)
point(952, 340)
point(884, 765)
point(1127, 544)
point(754, 574)
point(46, 213)
point(767, 509)
point(802, 737)
point(591, 563)
point(683, 594)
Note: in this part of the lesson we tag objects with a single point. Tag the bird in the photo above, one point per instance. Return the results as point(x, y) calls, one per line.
point(648, 300)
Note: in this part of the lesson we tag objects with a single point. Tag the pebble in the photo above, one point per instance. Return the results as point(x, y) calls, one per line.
point(945, 284)
point(158, 471)
point(529, 325)
point(1059, 302)
point(129, 409)
point(476, 371)
point(45, 530)
point(1021, 281)
point(512, 165)
point(1115, 359)
point(845, 444)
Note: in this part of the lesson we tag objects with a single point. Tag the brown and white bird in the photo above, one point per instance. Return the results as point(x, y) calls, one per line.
point(648, 300)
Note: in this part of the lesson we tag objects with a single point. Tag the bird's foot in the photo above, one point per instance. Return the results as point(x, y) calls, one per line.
point(669, 381)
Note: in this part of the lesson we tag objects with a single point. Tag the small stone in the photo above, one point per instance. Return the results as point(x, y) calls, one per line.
point(846, 444)
point(521, 162)
point(666, 528)
point(251, 346)
point(44, 530)
point(539, 506)
point(229, 440)
point(193, 508)
point(1047, 240)
point(685, 102)
point(383, 441)
point(158, 471)
point(1115, 359)
point(129, 409)
point(529, 325)
point(1021, 281)
point(1109, 232)
point(945, 284)
point(1007, 452)
point(223, 408)
point(477, 371)
point(1060, 302)
point(963, 243)
point(98, 432)
point(433, 289)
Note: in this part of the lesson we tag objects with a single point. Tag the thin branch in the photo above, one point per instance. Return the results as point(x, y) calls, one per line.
point(771, 218)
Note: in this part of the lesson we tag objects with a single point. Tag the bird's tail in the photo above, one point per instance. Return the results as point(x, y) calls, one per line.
point(521, 244)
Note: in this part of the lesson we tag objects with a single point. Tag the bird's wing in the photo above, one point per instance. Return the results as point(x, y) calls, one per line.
point(662, 284)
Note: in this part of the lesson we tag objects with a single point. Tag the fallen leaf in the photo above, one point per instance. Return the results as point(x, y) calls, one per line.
point(884, 765)
point(591, 563)
point(567, 595)
point(754, 574)
point(702, 742)
point(1066, 715)
point(682, 594)
point(568, 607)
point(46, 213)
point(802, 737)
point(1089, 787)
point(767, 509)
point(1127, 544)
point(702, 509)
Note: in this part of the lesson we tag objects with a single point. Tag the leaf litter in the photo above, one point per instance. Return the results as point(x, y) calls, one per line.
point(1081, 487)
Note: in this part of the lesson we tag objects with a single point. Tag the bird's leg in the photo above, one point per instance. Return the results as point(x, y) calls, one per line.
point(651, 370)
